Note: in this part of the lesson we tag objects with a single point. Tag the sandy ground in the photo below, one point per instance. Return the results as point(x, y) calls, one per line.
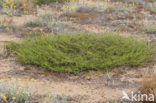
point(87, 87)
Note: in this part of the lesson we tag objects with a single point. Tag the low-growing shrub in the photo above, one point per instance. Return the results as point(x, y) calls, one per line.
point(74, 53)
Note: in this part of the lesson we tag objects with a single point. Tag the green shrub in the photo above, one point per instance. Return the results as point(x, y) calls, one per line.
point(74, 53)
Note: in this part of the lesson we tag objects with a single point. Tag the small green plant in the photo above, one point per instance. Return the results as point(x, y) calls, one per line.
point(153, 8)
point(49, 23)
point(3, 52)
point(43, 20)
point(35, 23)
point(8, 26)
point(54, 99)
point(14, 92)
point(74, 53)
point(151, 28)
point(32, 34)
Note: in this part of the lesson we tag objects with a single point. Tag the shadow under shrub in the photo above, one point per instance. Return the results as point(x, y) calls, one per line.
point(74, 53)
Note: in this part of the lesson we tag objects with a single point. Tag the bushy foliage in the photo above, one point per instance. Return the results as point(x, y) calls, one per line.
point(74, 53)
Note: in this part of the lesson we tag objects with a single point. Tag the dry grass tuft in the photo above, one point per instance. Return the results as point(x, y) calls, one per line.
point(149, 85)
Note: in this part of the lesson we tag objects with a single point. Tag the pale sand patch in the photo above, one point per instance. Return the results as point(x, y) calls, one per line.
point(6, 38)
point(18, 20)
point(87, 94)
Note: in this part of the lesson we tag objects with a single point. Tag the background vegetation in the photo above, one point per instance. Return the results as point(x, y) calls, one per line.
point(48, 1)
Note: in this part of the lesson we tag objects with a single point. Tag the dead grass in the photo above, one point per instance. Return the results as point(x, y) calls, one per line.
point(149, 84)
